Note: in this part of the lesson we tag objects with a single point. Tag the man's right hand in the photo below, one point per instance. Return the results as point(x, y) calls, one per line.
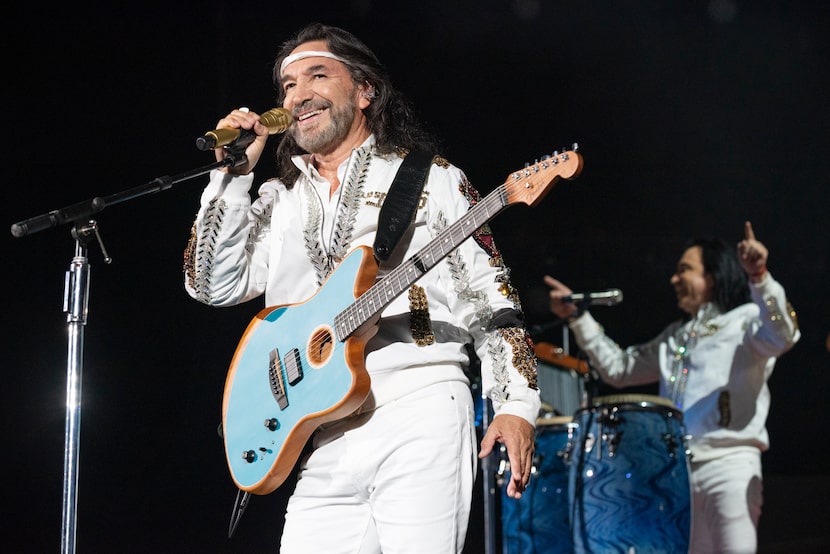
point(244, 119)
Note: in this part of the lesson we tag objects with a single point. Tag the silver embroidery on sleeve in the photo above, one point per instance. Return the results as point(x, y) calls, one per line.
point(203, 254)
point(260, 226)
point(206, 250)
point(484, 313)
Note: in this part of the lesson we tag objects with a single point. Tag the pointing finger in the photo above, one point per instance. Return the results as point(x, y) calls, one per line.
point(550, 281)
point(748, 232)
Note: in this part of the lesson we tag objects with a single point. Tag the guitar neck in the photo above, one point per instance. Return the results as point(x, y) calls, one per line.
point(382, 293)
point(528, 185)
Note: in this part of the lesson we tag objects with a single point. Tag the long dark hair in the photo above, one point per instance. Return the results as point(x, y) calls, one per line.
point(730, 288)
point(390, 116)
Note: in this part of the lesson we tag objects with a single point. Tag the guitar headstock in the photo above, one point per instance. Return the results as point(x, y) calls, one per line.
point(531, 183)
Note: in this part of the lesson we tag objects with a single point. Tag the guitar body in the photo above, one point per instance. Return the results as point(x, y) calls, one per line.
point(290, 374)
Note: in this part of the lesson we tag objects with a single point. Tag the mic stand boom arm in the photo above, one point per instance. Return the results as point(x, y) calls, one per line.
point(83, 210)
point(75, 304)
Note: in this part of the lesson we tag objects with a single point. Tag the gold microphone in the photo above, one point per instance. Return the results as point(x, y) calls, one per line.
point(278, 120)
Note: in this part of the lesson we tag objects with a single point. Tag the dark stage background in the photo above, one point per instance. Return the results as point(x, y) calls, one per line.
point(691, 116)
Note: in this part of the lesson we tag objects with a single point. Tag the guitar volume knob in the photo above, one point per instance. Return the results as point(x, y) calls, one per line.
point(249, 456)
point(272, 424)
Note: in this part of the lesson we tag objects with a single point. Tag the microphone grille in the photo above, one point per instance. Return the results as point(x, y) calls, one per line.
point(277, 120)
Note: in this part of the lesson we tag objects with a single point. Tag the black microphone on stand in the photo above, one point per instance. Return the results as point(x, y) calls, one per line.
point(278, 120)
point(608, 297)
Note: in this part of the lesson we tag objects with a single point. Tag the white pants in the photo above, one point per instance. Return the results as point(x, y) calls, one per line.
point(396, 480)
point(726, 504)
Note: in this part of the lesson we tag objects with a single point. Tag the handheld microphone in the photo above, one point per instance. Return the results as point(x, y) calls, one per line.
point(278, 120)
point(608, 297)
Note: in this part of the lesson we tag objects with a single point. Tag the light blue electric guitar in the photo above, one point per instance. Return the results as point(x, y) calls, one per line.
point(298, 366)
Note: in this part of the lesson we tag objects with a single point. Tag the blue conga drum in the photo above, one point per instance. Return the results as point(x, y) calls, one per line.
point(629, 487)
point(538, 522)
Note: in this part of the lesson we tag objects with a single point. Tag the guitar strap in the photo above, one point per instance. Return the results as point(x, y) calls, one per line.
point(401, 202)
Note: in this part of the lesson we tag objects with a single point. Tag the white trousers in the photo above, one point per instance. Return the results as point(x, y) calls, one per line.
point(396, 480)
point(726, 504)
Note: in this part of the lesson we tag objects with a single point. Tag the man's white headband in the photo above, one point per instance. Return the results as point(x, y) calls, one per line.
point(308, 54)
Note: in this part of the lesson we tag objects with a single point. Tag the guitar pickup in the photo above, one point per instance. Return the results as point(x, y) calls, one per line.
point(293, 367)
point(276, 379)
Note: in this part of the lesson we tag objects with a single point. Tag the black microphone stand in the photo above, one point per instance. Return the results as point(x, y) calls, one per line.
point(75, 304)
point(590, 379)
point(488, 475)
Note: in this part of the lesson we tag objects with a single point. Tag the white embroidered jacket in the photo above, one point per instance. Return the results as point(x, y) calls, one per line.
point(286, 243)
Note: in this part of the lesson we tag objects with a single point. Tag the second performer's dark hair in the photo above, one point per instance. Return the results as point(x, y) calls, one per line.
point(390, 116)
point(730, 288)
